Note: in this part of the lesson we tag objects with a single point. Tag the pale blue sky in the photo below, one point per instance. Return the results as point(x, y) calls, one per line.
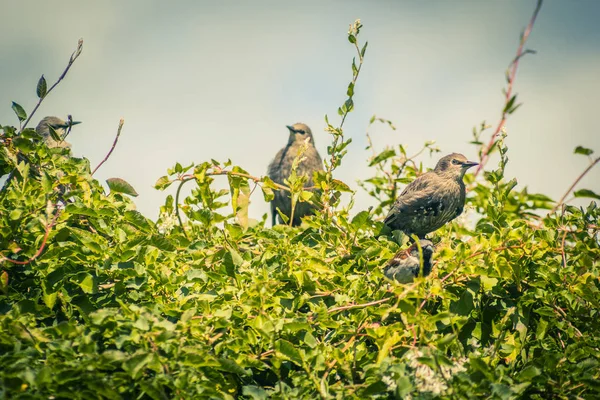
point(197, 80)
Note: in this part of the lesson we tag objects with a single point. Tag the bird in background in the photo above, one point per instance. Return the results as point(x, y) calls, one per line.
point(281, 168)
point(59, 126)
point(406, 264)
point(433, 199)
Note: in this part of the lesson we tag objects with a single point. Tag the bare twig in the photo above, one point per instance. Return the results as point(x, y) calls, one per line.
point(562, 199)
point(121, 122)
point(508, 94)
point(177, 207)
point(562, 249)
point(351, 306)
point(74, 56)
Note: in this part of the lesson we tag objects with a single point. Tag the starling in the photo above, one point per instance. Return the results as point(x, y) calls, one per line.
point(431, 200)
point(406, 265)
point(59, 127)
point(281, 168)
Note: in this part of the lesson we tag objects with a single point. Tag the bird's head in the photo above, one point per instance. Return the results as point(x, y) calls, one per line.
point(453, 166)
point(57, 126)
point(426, 247)
point(299, 132)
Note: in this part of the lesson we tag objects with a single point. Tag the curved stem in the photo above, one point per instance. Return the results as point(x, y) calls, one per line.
point(507, 98)
point(562, 199)
point(42, 246)
point(74, 56)
point(177, 206)
point(121, 122)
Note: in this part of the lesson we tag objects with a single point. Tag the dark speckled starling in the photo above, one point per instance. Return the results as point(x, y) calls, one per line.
point(431, 200)
point(405, 265)
point(281, 168)
point(59, 126)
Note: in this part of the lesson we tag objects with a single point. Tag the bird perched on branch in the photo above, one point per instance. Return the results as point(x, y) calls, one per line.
point(406, 264)
point(431, 200)
point(53, 130)
point(281, 168)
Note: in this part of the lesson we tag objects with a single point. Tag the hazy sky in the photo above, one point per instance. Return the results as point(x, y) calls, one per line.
point(197, 80)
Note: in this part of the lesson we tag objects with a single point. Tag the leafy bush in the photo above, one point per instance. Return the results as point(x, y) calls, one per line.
point(98, 301)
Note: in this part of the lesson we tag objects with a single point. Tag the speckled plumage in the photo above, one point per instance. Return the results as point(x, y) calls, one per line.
point(60, 126)
point(281, 168)
point(431, 200)
point(406, 265)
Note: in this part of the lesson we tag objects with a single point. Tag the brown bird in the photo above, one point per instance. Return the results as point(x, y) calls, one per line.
point(406, 265)
point(431, 200)
point(59, 127)
point(281, 168)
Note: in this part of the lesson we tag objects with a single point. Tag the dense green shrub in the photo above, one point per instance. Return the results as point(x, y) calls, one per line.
point(98, 301)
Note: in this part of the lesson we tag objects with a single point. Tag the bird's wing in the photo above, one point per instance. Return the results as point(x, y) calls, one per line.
point(417, 197)
point(274, 168)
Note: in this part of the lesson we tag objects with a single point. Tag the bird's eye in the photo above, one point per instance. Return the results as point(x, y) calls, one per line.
point(455, 162)
point(300, 131)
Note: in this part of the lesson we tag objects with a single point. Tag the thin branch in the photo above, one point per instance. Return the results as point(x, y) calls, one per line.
point(121, 122)
point(345, 114)
point(74, 56)
point(511, 80)
point(255, 179)
point(562, 199)
point(177, 207)
point(562, 249)
point(42, 246)
point(352, 306)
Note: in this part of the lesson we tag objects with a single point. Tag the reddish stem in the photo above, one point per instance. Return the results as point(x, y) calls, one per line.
point(37, 253)
point(511, 79)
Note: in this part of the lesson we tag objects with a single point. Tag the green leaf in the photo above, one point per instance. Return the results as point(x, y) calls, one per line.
point(162, 183)
point(583, 150)
point(364, 49)
point(509, 186)
point(350, 91)
point(161, 243)
point(586, 193)
point(54, 133)
point(21, 114)
point(529, 372)
point(339, 185)
point(240, 195)
point(289, 351)
point(138, 220)
point(41, 89)
point(119, 185)
point(360, 220)
point(510, 103)
point(231, 366)
point(267, 193)
point(25, 145)
point(136, 364)
point(349, 105)
point(384, 155)
point(257, 393)
point(86, 283)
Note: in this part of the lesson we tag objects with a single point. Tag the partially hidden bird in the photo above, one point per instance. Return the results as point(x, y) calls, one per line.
point(281, 167)
point(406, 264)
point(59, 127)
point(433, 199)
